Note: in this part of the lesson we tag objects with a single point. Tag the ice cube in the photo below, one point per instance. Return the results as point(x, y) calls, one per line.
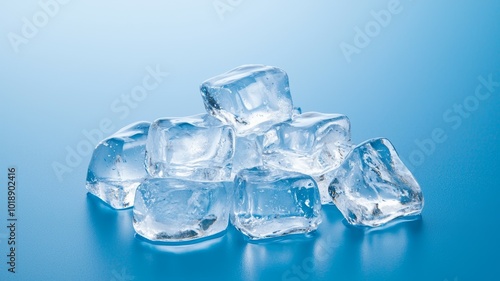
point(271, 203)
point(117, 166)
point(251, 98)
point(247, 154)
point(373, 186)
point(312, 143)
point(197, 147)
point(176, 210)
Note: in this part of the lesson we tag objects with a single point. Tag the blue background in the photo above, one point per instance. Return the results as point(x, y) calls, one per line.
point(401, 85)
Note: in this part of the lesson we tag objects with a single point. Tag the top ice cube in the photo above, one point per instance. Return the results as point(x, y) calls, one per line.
point(251, 98)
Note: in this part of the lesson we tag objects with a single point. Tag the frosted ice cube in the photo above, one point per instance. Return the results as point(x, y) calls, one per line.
point(117, 166)
point(176, 210)
point(197, 147)
point(271, 203)
point(373, 186)
point(312, 143)
point(251, 98)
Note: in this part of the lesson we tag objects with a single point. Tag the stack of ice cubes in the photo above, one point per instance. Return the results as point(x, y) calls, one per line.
point(253, 159)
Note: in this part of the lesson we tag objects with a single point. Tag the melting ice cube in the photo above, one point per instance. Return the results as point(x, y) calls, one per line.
point(117, 166)
point(271, 203)
point(176, 210)
point(373, 186)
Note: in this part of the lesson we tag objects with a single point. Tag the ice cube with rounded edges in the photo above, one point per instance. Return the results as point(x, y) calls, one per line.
point(311, 143)
point(271, 203)
point(373, 186)
point(251, 98)
point(196, 147)
point(179, 210)
point(117, 166)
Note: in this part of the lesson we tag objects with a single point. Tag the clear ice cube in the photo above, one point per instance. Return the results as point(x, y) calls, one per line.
point(312, 143)
point(271, 203)
point(177, 210)
point(251, 98)
point(373, 186)
point(248, 153)
point(197, 147)
point(117, 166)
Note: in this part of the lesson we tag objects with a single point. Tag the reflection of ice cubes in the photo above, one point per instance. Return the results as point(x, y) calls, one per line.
point(117, 166)
point(373, 186)
point(271, 203)
point(312, 143)
point(197, 147)
point(251, 98)
point(175, 210)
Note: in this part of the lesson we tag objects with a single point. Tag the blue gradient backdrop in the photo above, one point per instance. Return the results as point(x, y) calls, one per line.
point(405, 83)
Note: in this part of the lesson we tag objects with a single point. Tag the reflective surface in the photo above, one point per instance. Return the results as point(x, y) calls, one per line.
point(95, 67)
